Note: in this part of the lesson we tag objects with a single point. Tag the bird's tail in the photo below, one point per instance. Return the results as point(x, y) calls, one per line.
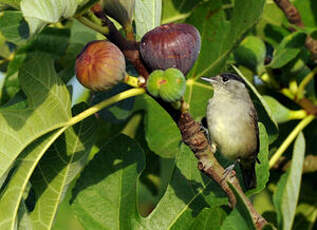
point(249, 176)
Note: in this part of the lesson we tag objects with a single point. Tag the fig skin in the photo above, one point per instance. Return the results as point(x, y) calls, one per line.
point(170, 85)
point(100, 65)
point(171, 45)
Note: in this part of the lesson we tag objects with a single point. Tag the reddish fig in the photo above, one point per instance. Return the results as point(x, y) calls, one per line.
point(171, 45)
point(100, 65)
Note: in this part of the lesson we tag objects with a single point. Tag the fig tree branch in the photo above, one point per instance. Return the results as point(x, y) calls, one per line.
point(293, 16)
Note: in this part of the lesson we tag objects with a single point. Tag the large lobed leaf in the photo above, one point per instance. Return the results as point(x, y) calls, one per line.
point(48, 108)
point(57, 169)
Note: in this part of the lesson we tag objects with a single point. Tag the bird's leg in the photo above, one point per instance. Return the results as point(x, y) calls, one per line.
point(230, 168)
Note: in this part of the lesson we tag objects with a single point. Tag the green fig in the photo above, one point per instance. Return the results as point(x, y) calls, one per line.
point(169, 85)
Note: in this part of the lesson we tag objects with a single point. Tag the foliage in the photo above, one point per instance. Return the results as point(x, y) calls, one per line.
point(74, 159)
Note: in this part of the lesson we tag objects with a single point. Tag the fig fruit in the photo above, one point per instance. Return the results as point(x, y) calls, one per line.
point(100, 65)
point(171, 45)
point(169, 85)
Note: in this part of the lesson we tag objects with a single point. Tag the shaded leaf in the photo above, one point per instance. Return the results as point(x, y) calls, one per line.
point(234, 221)
point(289, 48)
point(161, 132)
point(187, 194)
point(13, 27)
point(286, 196)
point(243, 208)
point(105, 194)
point(262, 170)
point(177, 10)
point(251, 53)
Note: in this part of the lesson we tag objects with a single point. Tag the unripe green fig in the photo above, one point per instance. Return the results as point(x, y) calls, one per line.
point(169, 85)
point(100, 65)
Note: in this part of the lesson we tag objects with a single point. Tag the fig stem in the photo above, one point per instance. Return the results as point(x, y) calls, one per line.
point(96, 108)
point(92, 25)
point(131, 81)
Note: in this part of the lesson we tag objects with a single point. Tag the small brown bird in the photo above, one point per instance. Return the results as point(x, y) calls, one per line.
point(232, 124)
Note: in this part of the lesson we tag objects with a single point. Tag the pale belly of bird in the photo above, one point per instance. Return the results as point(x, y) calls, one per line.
point(231, 131)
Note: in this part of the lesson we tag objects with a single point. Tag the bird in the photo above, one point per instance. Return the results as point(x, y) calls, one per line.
point(233, 124)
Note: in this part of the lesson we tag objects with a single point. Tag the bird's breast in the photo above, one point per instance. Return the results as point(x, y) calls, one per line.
point(231, 128)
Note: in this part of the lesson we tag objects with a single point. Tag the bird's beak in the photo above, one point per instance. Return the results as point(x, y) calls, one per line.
point(210, 80)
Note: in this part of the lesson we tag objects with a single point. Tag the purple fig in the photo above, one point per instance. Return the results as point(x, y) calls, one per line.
point(171, 46)
point(100, 65)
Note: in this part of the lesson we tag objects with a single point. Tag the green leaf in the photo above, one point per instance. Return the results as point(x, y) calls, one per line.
point(197, 95)
point(105, 194)
point(243, 208)
point(208, 219)
point(38, 13)
point(251, 53)
point(281, 113)
point(286, 196)
point(219, 35)
point(234, 221)
point(177, 10)
point(12, 195)
point(263, 110)
point(306, 215)
point(187, 194)
point(52, 41)
point(56, 170)
point(13, 3)
point(48, 108)
point(147, 15)
point(24, 222)
point(289, 48)
point(307, 10)
point(162, 133)
point(262, 170)
point(14, 27)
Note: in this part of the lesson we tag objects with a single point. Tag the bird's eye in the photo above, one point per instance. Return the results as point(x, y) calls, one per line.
point(224, 79)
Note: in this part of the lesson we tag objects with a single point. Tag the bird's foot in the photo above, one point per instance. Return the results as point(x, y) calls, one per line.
point(229, 170)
